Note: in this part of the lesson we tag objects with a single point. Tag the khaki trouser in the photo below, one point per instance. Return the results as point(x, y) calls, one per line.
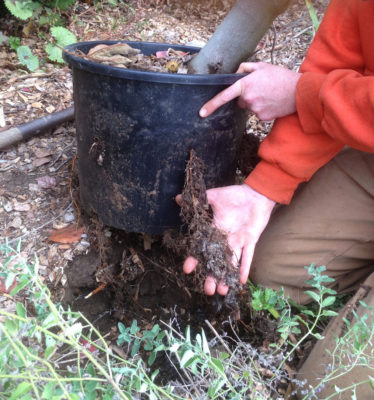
point(330, 222)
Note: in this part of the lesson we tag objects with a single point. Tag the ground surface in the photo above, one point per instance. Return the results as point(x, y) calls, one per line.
point(38, 187)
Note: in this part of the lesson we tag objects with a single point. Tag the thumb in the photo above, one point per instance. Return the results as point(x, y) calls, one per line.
point(211, 196)
point(246, 67)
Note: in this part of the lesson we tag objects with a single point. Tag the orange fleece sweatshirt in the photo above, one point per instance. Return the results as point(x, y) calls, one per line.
point(334, 101)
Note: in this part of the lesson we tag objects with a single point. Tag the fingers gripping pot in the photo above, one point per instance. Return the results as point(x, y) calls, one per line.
point(135, 130)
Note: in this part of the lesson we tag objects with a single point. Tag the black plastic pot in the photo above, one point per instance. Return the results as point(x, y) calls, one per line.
point(135, 130)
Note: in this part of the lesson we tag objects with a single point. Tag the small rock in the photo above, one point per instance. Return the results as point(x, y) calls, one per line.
point(68, 255)
point(63, 280)
point(108, 233)
point(33, 187)
point(8, 207)
point(69, 217)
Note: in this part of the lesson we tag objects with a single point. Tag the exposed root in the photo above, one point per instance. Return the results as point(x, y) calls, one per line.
point(205, 242)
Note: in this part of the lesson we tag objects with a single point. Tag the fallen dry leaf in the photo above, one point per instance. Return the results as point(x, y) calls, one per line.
point(16, 223)
point(41, 161)
point(64, 246)
point(114, 49)
point(50, 109)
point(87, 345)
point(41, 153)
point(46, 182)
point(22, 207)
point(70, 234)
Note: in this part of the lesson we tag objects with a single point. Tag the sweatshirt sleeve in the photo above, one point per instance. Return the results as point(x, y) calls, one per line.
point(341, 104)
point(333, 98)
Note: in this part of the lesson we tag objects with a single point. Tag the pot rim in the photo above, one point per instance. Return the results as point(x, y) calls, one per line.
point(147, 76)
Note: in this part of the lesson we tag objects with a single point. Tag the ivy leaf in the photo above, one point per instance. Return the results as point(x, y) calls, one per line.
point(28, 59)
point(54, 53)
point(21, 9)
point(63, 37)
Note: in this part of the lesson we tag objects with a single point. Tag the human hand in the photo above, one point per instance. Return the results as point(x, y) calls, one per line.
point(269, 91)
point(242, 213)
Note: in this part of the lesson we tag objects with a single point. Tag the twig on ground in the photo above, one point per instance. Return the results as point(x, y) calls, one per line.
point(28, 75)
point(97, 290)
point(274, 41)
point(62, 164)
point(219, 337)
point(61, 153)
point(34, 230)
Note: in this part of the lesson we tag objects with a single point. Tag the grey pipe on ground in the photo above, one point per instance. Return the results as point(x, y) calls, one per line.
point(36, 127)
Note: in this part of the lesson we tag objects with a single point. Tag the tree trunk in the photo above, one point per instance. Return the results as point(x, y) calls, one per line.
point(237, 36)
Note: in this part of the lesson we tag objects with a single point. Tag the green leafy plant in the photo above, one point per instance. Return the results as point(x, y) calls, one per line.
point(44, 13)
point(267, 300)
point(51, 352)
point(26, 9)
point(151, 340)
point(14, 42)
point(313, 14)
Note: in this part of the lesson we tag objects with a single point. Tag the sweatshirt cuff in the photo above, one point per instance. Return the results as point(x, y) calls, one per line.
point(274, 183)
point(308, 103)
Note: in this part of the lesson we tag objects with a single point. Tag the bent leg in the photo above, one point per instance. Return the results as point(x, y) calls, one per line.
point(330, 222)
point(344, 357)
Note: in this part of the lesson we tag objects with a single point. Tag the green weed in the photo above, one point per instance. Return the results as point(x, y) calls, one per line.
point(51, 352)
